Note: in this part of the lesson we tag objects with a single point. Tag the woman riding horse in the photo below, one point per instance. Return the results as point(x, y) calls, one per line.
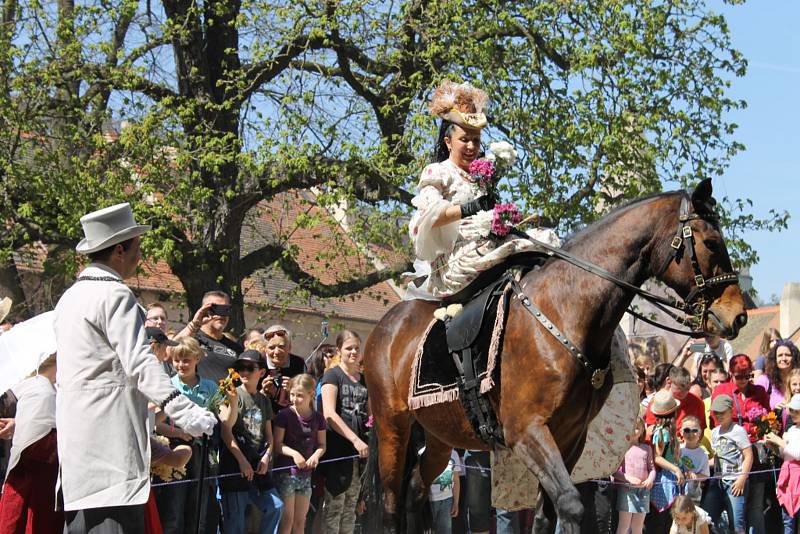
point(545, 397)
point(451, 243)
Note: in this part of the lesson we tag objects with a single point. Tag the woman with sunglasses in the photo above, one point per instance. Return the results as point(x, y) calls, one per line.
point(749, 402)
point(781, 359)
point(709, 363)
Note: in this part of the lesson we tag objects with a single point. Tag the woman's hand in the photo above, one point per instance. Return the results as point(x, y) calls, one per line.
point(738, 487)
point(246, 469)
point(361, 447)
point(482, 203)
point(679, 475)
point(312, 462)
point(263, 464)
point(648, 483)
point(774, 440)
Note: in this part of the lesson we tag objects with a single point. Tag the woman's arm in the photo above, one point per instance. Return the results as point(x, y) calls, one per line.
point(456, 494)
point(329, 393)
point(230, 441)
point(263, 463)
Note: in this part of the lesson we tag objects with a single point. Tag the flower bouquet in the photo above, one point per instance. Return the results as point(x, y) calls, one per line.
point(166, 472)
point(766, 423)
point(486, 172)
point(504, 217)
point(220, 396)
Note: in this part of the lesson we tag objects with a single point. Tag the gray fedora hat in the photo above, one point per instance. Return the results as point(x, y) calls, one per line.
point(107, 227)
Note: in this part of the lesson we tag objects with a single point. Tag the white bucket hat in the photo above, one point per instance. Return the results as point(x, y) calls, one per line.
point(107, 227)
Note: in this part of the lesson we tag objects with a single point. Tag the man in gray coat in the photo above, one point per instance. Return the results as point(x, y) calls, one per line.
point(106, 375)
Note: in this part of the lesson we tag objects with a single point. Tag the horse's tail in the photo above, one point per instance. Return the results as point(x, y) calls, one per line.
point(372, 489)
point(407, 521)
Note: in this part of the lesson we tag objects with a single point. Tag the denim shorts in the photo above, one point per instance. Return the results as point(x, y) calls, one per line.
point(289, 485)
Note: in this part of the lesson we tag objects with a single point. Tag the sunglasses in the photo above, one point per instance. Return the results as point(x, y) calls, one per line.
point(247, 367)
point(691, 430)
point(784, 343)
point(270, 335)
point(743, 377)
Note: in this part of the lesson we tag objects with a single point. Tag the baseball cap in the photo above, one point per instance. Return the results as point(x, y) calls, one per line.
point(721, 403)
point(156, 335)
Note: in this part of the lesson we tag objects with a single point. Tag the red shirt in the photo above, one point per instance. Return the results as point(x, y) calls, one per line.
point(691, 405)
point(754, 396)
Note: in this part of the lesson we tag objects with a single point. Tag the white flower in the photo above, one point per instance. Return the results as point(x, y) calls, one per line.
point(483, 222)
point(504, 152)
point(490, 157)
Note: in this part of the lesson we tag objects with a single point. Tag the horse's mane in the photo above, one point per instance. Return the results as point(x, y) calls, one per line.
point(581, 236)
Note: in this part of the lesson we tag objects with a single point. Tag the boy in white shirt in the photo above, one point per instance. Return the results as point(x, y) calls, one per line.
point(735, 458)
point(444, 495)
point(694, 458)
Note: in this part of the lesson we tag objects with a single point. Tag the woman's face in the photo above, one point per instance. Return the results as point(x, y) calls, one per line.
point(742, 378)
point(794, 385)
point(350, 351)
point(783, 358)
point(705, 370)
point(464, 146)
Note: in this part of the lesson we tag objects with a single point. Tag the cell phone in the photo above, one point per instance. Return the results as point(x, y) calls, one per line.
point(223, 310)
point(697, 347)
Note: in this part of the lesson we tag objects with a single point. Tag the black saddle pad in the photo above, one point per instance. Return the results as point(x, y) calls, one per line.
point(434, 376)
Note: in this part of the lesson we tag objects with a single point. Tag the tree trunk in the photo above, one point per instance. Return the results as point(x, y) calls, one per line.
point(11, 286)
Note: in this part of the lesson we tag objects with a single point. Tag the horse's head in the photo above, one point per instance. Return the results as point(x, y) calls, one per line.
point(698, 266)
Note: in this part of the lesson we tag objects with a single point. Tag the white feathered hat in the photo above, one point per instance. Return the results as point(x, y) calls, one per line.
point(460, 103)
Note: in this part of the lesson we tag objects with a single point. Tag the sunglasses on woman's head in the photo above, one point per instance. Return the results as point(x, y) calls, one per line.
point(270, 335)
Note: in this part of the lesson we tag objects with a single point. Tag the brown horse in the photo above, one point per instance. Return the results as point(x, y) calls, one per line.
point(545, 400)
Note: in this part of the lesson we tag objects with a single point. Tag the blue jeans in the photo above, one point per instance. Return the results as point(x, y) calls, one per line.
point(507, 522)
point(442, 521)
point(735, 505)
point(234, 505)
point(789, 521)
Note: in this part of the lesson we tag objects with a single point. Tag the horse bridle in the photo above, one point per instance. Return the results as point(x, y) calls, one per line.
point(697, 302)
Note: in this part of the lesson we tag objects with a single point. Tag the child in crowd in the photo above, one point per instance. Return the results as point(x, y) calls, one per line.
point(28, 501)
point(688, 518)
point(247, 438)
point(733, 459)
point(177, 504)
point(669, 476)
point(444, 496)
point(344, 403)
point(299, 446)
point(694, 458)
point(792, 388)
point(788, 486)
point(638, 473)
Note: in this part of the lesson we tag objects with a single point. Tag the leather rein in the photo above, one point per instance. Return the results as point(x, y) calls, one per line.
point(695, 305)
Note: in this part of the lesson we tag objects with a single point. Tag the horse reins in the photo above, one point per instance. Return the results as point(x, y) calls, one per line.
point(696, 302)
point(683, 239)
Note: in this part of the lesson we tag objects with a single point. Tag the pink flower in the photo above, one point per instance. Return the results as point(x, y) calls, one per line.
point(370, 422)
point(504, 217)
point(483, 172)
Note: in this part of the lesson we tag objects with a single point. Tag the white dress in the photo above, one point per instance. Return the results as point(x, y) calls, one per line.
point(455, 253)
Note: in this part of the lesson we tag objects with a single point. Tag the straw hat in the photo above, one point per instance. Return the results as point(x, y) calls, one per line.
point(664, 403)
point(5, 307)
point(107, 227)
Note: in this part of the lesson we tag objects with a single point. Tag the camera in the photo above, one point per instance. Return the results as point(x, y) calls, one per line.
point(277, 379)
point(222, 310)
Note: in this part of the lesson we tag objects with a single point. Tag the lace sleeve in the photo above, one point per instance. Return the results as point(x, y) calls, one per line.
point(431, 201)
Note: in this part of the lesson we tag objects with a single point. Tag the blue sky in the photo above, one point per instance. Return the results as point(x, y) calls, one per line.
point(768, 171)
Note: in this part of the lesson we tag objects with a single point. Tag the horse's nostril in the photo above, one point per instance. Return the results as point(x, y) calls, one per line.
point(741, 320)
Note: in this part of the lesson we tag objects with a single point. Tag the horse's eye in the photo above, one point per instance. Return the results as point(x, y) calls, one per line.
point(711, 244)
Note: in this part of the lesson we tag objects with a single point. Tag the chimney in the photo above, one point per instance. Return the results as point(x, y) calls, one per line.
point(790, 308)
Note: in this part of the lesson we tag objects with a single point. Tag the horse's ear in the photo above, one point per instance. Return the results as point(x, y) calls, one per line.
point(701, 196)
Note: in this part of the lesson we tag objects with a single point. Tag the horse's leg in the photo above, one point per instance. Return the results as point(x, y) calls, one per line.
point(393, 434)
point(541, 454)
